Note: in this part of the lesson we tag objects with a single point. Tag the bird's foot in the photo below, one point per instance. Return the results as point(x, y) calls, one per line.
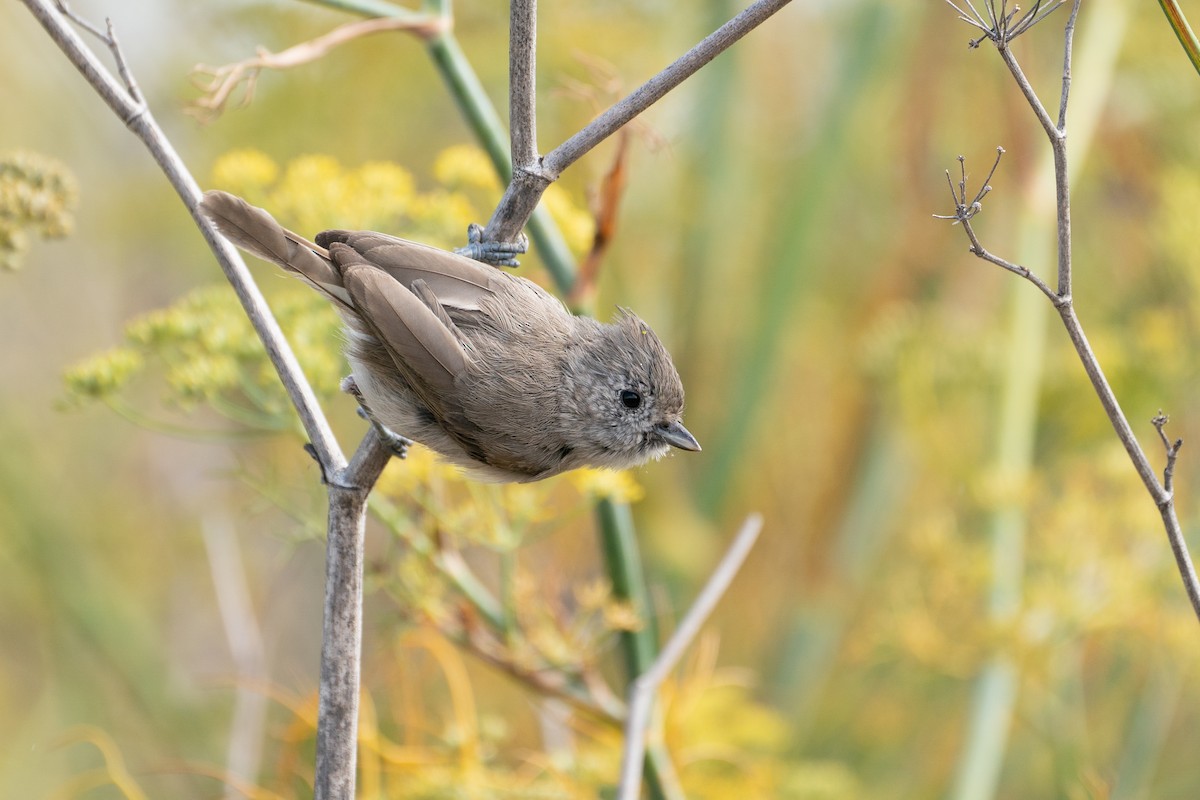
point(498, 254)
point(395, 442)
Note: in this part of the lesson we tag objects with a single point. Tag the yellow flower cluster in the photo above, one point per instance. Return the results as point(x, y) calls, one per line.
point(36, 197)
point(102, 375)
point(316, 192)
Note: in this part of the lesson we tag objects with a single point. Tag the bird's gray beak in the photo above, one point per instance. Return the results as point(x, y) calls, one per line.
point(678, 436)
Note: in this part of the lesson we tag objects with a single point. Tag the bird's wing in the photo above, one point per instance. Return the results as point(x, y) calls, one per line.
point(425, 351)
point(457, 281)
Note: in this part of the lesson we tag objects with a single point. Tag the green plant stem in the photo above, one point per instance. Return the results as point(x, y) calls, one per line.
point(618, 541)
point(1183, 31)
point(786, 282)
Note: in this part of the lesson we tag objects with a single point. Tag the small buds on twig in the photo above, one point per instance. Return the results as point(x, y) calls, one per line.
point(963, 210)
point(1159, 422)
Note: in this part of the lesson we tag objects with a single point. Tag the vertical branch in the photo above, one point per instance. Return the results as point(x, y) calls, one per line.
point(1058, 145)
point(475, 105)
point(341, 631)
point(341, 647)
point(522, 88)
point(1061, 174)
point(624, 567)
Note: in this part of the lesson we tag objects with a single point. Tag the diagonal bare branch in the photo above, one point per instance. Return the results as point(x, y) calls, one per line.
point(132, 110)
point(643, 689)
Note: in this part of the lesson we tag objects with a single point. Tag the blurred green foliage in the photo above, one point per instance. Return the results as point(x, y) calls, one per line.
point(846, 361)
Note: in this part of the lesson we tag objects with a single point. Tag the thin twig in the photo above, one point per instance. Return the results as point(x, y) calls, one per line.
point(1002, 27)
point(978, 249)
point(1163, 497)
point(219, 83)
point(109, 38)
point(642, 690)
point(654, 89)
point(965, 211)
point(1031, 97)
point(1068, 49)
point(527, 187)
point(1172, 448)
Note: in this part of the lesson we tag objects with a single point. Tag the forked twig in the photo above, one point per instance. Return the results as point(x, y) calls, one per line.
point(1172, 449)
point(109, 37)
point(530, 180)
point(965, 211)
point(1001, 30)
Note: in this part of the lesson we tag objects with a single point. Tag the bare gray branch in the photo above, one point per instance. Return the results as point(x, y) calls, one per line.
point(529, 183)
point(642, 690)
point(141, 122)
point(1001, 32)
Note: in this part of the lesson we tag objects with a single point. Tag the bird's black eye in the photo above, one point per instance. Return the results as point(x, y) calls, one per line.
point(630, 398)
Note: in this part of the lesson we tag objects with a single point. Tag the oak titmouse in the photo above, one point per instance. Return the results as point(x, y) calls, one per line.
point(483, 367)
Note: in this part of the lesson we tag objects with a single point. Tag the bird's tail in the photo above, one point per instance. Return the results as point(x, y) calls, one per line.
point(255, 231)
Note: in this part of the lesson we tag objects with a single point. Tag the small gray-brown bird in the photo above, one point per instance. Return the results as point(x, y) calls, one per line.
point(483, 367)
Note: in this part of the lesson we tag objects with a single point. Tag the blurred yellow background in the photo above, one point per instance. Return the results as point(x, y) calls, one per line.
point(956, 545)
